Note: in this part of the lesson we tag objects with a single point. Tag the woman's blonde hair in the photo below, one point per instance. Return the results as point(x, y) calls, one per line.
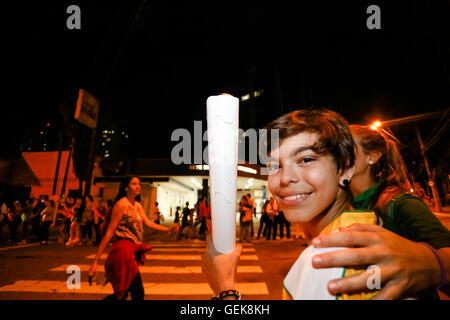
point(389, 170)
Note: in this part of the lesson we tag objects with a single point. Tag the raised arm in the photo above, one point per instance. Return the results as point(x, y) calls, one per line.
point(153, 225)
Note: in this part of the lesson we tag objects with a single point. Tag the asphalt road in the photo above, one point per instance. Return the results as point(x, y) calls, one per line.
point(172, 270)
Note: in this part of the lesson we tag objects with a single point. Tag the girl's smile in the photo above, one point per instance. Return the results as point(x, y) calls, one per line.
point(294, 199)
point(304, 183)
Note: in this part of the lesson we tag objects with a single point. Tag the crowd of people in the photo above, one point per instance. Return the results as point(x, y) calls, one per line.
point(82, 221)
point(195, 222)
point(79, 220)
point(272, 224)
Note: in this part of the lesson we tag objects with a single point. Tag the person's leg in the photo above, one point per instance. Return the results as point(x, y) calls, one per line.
point(83, 232)
point(89, 231)
point(246, 227)
point(137, 288)
point(40, 233)
point(265, 222)
point(180, 231)
point(35, 225)
point(288, 229)
point(24, 230)
point(45, 229)
point(97, 234)
point(66, 230)
point(77, 232)
point(281, 229)
point(12, 231)
point(61, 232)
point(249, 236)
point(275, 229)
point(261, 224)
point(269, 228)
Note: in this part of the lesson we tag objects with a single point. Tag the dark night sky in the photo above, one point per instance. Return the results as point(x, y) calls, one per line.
point(157, 77)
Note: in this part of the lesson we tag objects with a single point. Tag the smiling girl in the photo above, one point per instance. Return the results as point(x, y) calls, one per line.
point(310, 170)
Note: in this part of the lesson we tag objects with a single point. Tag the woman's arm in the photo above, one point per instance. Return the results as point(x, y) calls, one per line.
point(98, 214)
point(444, 253)
point(116, 216)
point(153, 225)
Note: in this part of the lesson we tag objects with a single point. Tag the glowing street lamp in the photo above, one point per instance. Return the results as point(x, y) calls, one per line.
point(375, 125)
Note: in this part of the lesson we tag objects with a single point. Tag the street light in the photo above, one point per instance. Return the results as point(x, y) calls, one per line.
point(375, 125)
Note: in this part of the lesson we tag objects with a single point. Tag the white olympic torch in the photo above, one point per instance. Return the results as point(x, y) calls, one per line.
point(223, 118)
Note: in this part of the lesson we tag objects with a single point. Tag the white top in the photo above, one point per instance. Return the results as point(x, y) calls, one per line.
point(304, 282)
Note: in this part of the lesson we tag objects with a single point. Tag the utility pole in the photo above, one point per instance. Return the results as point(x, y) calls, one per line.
point(55, 180)
point(63, 188)
point(415, 119)
point(431, 182)
point(87, 186)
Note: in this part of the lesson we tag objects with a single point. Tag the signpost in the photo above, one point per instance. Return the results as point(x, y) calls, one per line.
point(87, 109)
point(86, 112)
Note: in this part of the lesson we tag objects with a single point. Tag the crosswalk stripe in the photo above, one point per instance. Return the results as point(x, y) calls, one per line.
point(19, 246)
point(179, 257)
point(163, 269)
point(192, 245)
point(159, 249)
point(246, 288)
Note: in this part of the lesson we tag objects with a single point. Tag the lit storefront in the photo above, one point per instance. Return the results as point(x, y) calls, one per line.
point(173, 185)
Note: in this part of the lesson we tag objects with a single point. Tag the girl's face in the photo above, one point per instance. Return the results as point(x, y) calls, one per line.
point(134, 187)
point(304, 184)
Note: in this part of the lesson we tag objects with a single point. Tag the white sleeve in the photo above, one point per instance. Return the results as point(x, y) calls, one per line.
point(303, 282)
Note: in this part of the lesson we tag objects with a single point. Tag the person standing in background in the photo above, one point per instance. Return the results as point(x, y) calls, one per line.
point(99, 218)
point(177, 215)
point(87, 219)
point(78, 208)
point(246, 207)
point(47, 216)
point(284, 224)
point(26, 218)
point(36, 216)
point(157, 214)
point(185, 217)
point(272, 211)
point(263, 220)
point(14, 220)
point(203, 216)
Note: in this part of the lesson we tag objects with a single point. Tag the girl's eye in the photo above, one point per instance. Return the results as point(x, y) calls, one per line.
point(306, 160)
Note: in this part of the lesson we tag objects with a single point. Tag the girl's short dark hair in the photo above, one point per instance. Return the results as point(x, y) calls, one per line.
point(333, 130)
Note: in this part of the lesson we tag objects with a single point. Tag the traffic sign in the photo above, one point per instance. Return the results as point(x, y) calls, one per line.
point(87, 109)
